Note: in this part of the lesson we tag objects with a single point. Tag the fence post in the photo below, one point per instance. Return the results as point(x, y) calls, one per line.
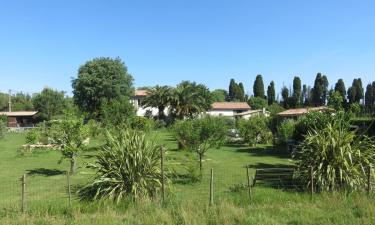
point(69, 188)
point(248, 182)
point(162, 173)
point(312, 180)
point(369, 180)
point(212, 188)
point(23, 206)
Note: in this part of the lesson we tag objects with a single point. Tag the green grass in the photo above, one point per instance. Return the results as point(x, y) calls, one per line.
point(187, 202)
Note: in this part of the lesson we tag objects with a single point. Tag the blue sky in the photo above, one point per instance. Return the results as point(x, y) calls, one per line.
point(42, 43)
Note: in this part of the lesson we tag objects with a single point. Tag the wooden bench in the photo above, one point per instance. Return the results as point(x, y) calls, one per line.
point(275, 177)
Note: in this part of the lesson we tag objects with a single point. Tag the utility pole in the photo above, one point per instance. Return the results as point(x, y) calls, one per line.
point(10, 101)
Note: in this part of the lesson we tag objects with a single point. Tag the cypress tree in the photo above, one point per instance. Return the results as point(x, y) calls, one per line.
point(304, 96)
point(296, 91)
point(232, 90)
point(285, 95)
point(241, 92)
point(271, 93)
point(369, 97)
point(317, 91)
point(340, 88)
point(258, 88)
point(325, 89)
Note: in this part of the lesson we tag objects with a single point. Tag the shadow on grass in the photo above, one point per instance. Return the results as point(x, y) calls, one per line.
point(268, 165)
point(274, 151)
point(45, 172)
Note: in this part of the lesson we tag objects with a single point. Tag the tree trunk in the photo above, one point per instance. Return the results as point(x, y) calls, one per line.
point(73, 165)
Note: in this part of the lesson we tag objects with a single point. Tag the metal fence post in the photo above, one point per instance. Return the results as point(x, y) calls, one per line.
point(162, 173)
point(23, 206)
point(212, 188)
point(248, 182)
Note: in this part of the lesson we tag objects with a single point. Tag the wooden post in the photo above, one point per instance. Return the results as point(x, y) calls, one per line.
point(23, 206)
point(369, 180)
point(69, 188)
point(162, 173)
point(212, 188)
point(248, 182)
point(312, 180)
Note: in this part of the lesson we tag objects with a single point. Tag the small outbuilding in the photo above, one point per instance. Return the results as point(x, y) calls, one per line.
point(229, 109)
point(20, 118)
point(294, 113)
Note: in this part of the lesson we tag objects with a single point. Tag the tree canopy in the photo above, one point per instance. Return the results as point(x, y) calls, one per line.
point(258, 87)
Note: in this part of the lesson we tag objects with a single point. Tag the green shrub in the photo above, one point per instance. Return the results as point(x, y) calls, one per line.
point(285, 131)
point(3, 127)
point(141, 123)
point(94, 128)
point(127, 165)
point(32, 136)
point(255, 130)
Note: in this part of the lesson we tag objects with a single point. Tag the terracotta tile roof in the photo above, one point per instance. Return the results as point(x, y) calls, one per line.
point(19, 113)
point(249, 112)
point(231, 105)
point(140, 93)
point(301, 111)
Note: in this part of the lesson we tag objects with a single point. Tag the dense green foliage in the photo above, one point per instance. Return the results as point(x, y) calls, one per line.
point(49, 103)
point(101, 80)
point(335, 100)
point(116, 112)
point(158, 97)
point(340, 159)
point(258, 87)
point(285, 131)
point(320, 90)
point(271, 94)
point(199, 135)
point(219, 95)
point(127, 165)
point(257, 102)
point(236, 92)
point(255, 130)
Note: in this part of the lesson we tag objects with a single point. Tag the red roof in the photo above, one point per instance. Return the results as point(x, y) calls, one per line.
point(140, 93)
point(301, 111)
point(231, 105)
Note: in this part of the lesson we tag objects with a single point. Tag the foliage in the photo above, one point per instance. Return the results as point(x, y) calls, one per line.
point(274, 108)
point(236, 92)
point(94, 128)
point(285, 131)
point(370, 97)
point(218, 95)
point(199, 135)
point(189, 99)
point(257, 102)
point(49, 103)
point(2, 128)
point(313, 121)
point(32, 136)
point(296, 92)
point(285, 96)
point(355, 92)
point(255, 130)
point(271, 95)
point(101, 80)
point(142, 123)
point(158, 97)
point(127, 165)
point(336, 101)
point(340, 88)
point(115, 112)
point(258, 87)
point(340, 159)
point(320, 90)
point(70, 134)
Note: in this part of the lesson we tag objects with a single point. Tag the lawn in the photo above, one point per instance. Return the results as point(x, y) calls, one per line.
point(187, 202)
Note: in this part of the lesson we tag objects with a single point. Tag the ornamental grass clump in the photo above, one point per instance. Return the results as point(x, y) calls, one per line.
point(340, 159)
point(128, 165)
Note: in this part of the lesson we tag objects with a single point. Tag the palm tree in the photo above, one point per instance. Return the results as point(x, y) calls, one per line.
point(158, 97)
point(188, 99)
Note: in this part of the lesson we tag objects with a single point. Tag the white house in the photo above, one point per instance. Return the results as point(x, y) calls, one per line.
point(228, 109)
point(139, 95)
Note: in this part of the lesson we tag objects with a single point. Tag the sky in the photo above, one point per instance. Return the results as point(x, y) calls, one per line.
point(43, 42)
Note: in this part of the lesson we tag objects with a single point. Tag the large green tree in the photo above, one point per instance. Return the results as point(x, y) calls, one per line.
point(271, 95)
point(340, 88)
point(258, 87)
point(355, 92)
point(49, 103)
point(99, 80)
point(218, 95)
point(285, 96)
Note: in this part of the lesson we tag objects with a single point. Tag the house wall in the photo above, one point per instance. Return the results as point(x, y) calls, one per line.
point(217, 112)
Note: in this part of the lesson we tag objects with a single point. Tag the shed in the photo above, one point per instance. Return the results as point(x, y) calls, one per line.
point(20, 118)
